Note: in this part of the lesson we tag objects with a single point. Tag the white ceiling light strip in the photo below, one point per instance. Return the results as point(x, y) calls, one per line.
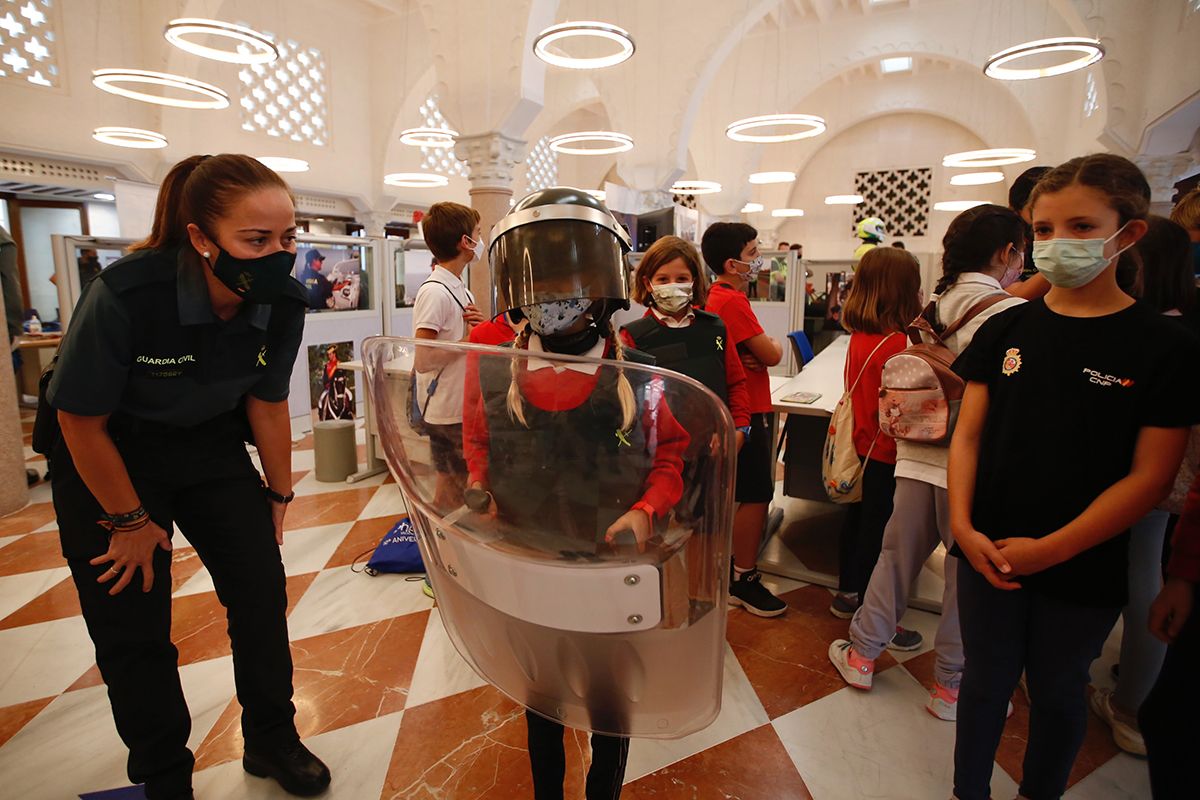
point(808, 125)
point(416, 180)
point(752, 208)
point(957, 205)
point(251, 46)
point(583, 30)
point(788, 212)
point(135, 138)
point(611, 142)
point(1088, 51)
point(843, 199)
point(977, 178)
point(428, 137)
point(113, 80)
point(695, 187)
point(994, 157)
point(760, 178)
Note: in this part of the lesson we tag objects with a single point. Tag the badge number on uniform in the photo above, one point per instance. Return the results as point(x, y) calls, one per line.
point(1012, 361)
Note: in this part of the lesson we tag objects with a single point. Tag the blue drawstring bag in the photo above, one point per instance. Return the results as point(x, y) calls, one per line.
point(398, 551)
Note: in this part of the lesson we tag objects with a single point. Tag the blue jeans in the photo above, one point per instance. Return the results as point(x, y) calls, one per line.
point(1055, 643)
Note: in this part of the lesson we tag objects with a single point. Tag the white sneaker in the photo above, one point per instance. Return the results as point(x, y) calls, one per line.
point(943, 703)
point(857, 671)
point(1127, 737)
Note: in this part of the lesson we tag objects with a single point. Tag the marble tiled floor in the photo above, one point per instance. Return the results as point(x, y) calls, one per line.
point(396, 713)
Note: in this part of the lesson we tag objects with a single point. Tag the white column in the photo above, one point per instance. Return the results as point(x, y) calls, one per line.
point(492, 159)
point(373, 222)
point(1163, 172)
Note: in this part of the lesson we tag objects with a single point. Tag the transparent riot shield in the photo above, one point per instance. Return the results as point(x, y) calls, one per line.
point(575, 525)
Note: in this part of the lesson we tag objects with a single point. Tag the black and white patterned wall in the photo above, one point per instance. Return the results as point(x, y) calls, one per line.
point(900, 197)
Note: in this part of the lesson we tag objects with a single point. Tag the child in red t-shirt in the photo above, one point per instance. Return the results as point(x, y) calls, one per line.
point(884, 298)
point(731, 251)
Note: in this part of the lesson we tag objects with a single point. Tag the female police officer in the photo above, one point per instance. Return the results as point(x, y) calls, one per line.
point(177, 355)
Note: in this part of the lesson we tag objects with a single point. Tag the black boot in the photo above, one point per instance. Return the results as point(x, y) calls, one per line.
point(298, 771)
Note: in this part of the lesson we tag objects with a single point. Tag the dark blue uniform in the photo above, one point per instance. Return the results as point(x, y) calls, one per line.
point(145, 348)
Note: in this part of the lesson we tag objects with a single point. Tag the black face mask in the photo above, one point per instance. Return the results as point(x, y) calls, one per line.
point(255, 280)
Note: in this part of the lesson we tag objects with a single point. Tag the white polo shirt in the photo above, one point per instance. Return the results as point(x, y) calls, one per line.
point(436, 309)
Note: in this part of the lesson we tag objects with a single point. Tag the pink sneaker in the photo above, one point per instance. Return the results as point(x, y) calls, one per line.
point(855, 670)
point(943, 703)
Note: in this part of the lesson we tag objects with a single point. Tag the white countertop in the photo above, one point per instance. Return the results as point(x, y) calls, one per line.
point(823, 375)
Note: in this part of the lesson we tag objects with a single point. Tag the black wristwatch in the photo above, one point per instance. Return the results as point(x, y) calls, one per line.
point(276, 497)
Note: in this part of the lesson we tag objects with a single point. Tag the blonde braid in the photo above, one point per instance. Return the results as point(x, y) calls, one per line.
point(516, 409)
point(624, 389)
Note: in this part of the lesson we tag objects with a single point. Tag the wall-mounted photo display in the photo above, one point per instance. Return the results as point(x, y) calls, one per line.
point(334, 275)
point(331, 387)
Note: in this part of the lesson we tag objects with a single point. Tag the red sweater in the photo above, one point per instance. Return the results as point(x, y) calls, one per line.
point(737, 397)
point(1185, 544)
point(494, 331)
point(551, 390)
point(866, 394)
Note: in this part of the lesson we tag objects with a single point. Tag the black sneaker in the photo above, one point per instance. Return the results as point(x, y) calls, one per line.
point(298, 771)
point(748, 592)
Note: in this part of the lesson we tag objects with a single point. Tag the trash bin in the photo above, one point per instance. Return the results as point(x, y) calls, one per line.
point(335, 451)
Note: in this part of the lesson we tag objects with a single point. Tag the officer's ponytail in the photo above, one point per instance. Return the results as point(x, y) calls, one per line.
point(201, 190)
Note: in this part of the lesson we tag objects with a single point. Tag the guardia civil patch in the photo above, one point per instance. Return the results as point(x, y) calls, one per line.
point(1012, 361)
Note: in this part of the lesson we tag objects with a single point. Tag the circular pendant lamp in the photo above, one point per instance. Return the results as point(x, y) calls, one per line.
point(573, 144)
point(204, 95)
point(135, 138)
point(583, 30)
point(429, 137)
point(995, 157)
point(250, 46)
point(283, 163)
point(806, 125)
point(416, 180)
point(1080, 53)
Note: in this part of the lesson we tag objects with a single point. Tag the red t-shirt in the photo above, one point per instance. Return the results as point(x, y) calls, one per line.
point(740, 324)
point(494, 331)
point(866, 395)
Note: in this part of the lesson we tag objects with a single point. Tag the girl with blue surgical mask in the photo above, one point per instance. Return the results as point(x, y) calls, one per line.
point(1111, 383)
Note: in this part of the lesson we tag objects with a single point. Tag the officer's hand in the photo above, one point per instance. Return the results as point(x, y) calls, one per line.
point(277, 512)
point(128, 552)
point(636, 520)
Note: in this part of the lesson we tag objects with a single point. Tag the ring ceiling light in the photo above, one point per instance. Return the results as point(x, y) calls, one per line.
point(751, 208)
point(788, 212)
point(129, 137)
point(695, 187)
point(976, 178)
point(995, 157)
point(112, 80)
point(107, 197)
point(284, 164)
point(957, 205)
point(1089, 52)
point(428, 137)
point(593, 30)
point(808, 124)
point(416, 180)
point(843, 199)
point(251, 47)
point(568, 143)
point(772, 177)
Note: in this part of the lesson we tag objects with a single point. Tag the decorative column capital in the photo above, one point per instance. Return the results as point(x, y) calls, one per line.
point(374, 222)
point(1163, 172)
point(491, 159)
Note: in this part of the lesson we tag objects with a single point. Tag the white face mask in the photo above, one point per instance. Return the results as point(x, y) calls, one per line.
point(755, 267)
point(1071, 263)
point(547, 319)
point(670, 298)
point(477, 248)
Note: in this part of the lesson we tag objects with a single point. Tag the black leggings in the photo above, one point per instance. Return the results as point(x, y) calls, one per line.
point(547, 761)
point(862, 531)
point(1173, 703)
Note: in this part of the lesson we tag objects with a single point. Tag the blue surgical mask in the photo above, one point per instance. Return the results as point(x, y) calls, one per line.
point(1071, 263)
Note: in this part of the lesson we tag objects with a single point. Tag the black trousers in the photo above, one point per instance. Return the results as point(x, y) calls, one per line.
point(1055, 642)
point(547, 761)
point(203, 480)
point(862, 530)
point(1168, 713)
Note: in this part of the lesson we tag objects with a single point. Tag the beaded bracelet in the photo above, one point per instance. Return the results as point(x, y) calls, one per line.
point(128, 522)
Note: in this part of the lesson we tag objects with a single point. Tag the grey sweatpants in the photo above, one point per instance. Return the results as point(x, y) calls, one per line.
point(920, 519)
point(1142, 654)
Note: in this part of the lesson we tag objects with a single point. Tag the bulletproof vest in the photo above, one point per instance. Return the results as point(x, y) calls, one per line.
point(574, 471)
point(696, 351)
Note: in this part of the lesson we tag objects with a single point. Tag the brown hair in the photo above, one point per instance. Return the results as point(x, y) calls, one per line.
point(664, 251)
point(1187, 211)
point(1118, 179)
point(1164, 281)
point(444, 227)
point(883, 297)
point(199, 190)
point(974, 236)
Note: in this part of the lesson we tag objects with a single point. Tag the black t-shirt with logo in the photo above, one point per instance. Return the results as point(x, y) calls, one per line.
point(1067, 399)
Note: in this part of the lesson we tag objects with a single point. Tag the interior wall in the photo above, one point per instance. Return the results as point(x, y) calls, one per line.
point(890, 142)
